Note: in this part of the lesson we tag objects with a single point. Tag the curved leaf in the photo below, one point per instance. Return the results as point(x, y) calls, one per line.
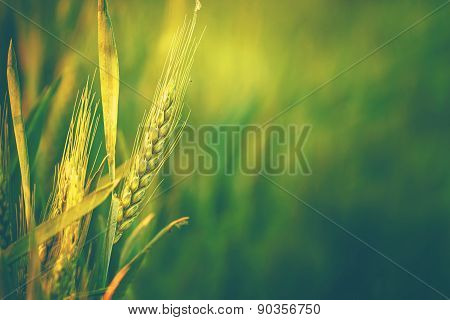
point(139, 236)
point(118, 279)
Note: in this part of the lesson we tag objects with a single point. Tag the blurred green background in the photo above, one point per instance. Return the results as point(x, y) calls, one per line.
point(379, 147)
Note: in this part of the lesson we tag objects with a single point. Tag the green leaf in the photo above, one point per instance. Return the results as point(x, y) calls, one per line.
point(109, 81)
point(118, 285)
point(91, 186)
point(136, 240)
point(51, 227)
point(34, 290)
point(121, 170)
point(19, 133)
point(108, 240)
point(37, 118)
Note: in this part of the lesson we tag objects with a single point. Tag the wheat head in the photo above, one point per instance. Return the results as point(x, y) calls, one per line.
point(152, 143)
point(69, 190)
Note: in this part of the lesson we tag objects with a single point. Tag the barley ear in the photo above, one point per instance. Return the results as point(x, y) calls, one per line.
point(109, 81)
point(19, 131)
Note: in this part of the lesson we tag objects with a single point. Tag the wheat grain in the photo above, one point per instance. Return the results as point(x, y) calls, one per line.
point(69, 190)
point(152, 141)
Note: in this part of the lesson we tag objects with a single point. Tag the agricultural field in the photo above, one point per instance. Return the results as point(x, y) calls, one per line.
point(224, 149)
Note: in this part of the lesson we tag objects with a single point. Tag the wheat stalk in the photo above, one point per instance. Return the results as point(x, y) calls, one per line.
point(151, 144)
point(5, 214)
point(69, 190)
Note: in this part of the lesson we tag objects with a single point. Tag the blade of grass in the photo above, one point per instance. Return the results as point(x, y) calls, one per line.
point(19, 131)
point(34, 290)
point(121, 274)
point(35, 122)
point(53, 226)
point(91, 186)
point(138, 236)
point(108, 240)
point(109, 81)
point(120, 172)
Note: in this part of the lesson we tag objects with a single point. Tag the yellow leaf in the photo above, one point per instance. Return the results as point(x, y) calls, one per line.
point(109, 81)
point(19, 131)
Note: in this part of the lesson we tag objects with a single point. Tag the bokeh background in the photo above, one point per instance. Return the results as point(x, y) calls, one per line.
point(379, 147)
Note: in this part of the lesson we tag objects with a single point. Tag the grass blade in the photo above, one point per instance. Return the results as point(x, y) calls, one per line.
point(108, 240)
point(19, 131)
point(34, 289)
point(139, 236)
point(120, 172)
point(35, 122)
point(134, 262)
point(91, 186)
point(109, 81)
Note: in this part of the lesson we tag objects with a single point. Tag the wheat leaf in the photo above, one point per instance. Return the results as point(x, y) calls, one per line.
point(19, 131)
point(34, 124)
point(139, 235)
point(120, 172)
point(37, 118)
point(115, 283)
point(108, 240)
point(135, 261)
point(34, 289)
point(109, 81)
point(91, 186)
point(51, 227)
